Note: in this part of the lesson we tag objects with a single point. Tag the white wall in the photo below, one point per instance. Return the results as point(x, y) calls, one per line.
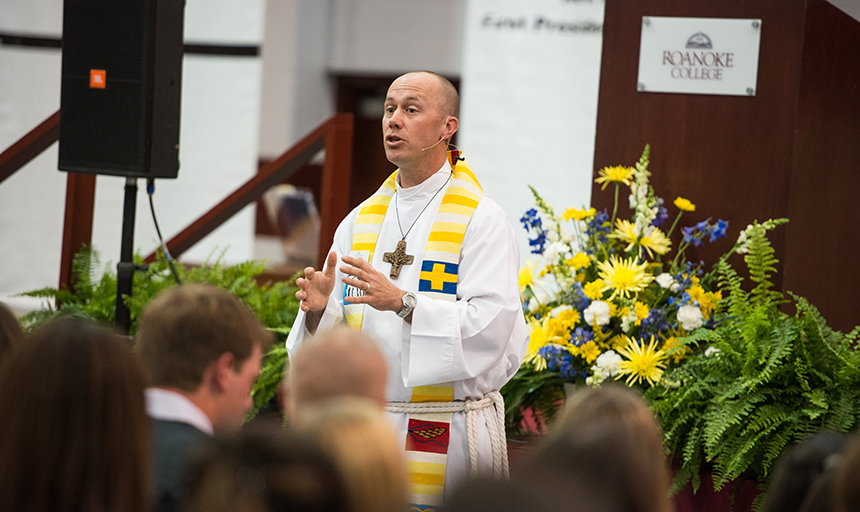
point(218, 139)
point(394, 36)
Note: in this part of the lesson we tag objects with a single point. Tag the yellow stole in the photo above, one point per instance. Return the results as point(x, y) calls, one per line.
point(428, 433)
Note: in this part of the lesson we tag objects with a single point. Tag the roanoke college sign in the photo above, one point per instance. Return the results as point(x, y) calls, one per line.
point(699, 55)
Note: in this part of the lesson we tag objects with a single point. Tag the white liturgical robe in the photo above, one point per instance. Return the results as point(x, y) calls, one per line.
point(477, 342)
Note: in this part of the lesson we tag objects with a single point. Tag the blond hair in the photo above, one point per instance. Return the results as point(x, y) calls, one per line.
point(364, 447)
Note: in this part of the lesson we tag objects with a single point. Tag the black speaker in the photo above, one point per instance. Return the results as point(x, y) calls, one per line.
point(121, 87)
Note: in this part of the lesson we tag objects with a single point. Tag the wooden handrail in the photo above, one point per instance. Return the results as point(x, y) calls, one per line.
point(80, 190)
point(30, 146)
point(335, 135)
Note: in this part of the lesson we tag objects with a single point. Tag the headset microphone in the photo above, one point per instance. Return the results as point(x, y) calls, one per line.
point(434, 145)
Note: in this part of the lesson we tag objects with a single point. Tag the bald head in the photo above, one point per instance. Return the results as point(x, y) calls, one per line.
point(445, 92)
point(337, 363)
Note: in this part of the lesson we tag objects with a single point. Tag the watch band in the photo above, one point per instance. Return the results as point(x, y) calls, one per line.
point(409, 301)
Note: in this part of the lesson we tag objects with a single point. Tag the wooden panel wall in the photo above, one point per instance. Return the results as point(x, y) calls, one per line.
point(736, 157)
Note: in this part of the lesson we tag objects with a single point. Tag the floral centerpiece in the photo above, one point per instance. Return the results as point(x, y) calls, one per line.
point(609, 298)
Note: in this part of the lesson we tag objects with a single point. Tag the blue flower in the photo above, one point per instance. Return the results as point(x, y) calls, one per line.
point(655, 324)
point(538, 243)
point(719, 230)
point(662, 215)
point(581, 336)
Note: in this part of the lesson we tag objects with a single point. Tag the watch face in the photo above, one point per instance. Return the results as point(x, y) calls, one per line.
point(409, 302)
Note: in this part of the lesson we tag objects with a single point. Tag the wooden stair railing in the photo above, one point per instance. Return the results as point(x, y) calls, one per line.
point(80, 190)
point(335, 136)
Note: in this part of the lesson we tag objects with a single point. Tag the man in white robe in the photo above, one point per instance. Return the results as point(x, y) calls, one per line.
point(476, 342)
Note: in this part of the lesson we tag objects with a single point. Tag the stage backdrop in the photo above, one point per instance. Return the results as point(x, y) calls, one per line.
point(529, 100)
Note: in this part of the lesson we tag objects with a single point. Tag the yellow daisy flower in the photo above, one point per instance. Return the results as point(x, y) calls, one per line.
point(579, 260)
point(577, 214)
point(624, 276)
point(685, 204)
point(656, 242)
point(696, 292)
point(594, 289)
point(708, 303)
point(641, 312)
point(539, 336)
point(613, 309)
point(679, 354)
point(569, 318)
point(616, 174)
point(526, 275)
point(644, 362)
point(626, 232)
point(589, 351)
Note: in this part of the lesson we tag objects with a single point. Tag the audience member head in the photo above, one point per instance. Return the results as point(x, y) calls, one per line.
point(607, 448)
point(11, 331)
point(75, 435)
point(339, 362)
point(846, 480)
point(201, 341)
point(265, 469)
point(364, 447)
point(804, 474)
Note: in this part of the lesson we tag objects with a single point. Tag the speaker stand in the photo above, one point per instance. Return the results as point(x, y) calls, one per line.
point(125, 268)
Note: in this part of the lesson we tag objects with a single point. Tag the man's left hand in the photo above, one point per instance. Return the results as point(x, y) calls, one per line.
point(379, 293)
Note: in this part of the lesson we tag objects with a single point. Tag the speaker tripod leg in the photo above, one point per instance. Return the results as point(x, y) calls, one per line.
point(125, 268)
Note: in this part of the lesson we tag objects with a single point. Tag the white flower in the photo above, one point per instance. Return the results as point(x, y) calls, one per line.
point(690, 317)
point(675, 287)
point(628, 321)
point(606, 366)
point(665, 280)
point(555, 249)
point(712, 351)
point(596, 313)
point(567, 237)
point(552, 236)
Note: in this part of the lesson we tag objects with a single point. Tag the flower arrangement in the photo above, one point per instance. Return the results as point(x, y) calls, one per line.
point(609, 299)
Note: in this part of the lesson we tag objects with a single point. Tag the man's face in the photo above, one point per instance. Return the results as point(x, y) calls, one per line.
point(236, 400)
point(412, 119)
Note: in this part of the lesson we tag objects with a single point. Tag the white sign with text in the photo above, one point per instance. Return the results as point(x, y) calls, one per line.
point(699, 55)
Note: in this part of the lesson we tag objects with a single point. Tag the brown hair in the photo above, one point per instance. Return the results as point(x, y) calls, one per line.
point(187, 328)
point(609, 442)
point(11, 331)
point(75, 436)
point(265, 469)
point(846, 481)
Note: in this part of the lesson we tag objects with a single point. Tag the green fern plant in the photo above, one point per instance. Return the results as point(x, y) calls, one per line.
point(774, 379)
point(93, 296)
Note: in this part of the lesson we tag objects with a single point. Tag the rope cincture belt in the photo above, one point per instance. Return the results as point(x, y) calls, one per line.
point(495, 425)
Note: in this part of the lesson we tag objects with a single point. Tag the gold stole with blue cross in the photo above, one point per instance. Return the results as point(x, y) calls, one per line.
point(428, 434)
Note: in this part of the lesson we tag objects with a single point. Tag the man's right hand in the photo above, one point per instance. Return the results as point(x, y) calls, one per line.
point(315, 286)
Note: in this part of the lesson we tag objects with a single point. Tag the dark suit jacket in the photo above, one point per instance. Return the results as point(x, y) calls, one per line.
point(174, 446)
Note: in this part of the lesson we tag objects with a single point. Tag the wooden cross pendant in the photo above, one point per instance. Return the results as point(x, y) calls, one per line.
point(398, 258)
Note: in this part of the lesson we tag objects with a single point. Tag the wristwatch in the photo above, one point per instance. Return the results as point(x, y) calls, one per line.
point(409, 303)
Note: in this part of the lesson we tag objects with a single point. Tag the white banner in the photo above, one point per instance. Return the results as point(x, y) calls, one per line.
point(530, 79)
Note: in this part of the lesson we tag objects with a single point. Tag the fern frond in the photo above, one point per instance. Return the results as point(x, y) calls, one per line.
point(761, 263)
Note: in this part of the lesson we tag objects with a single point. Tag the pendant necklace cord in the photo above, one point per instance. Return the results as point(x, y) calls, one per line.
point(397, 211)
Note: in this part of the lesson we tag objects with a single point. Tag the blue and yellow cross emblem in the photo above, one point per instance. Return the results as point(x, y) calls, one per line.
point(439, 277)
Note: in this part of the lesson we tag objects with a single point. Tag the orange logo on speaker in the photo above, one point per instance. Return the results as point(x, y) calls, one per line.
point(98, 77)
